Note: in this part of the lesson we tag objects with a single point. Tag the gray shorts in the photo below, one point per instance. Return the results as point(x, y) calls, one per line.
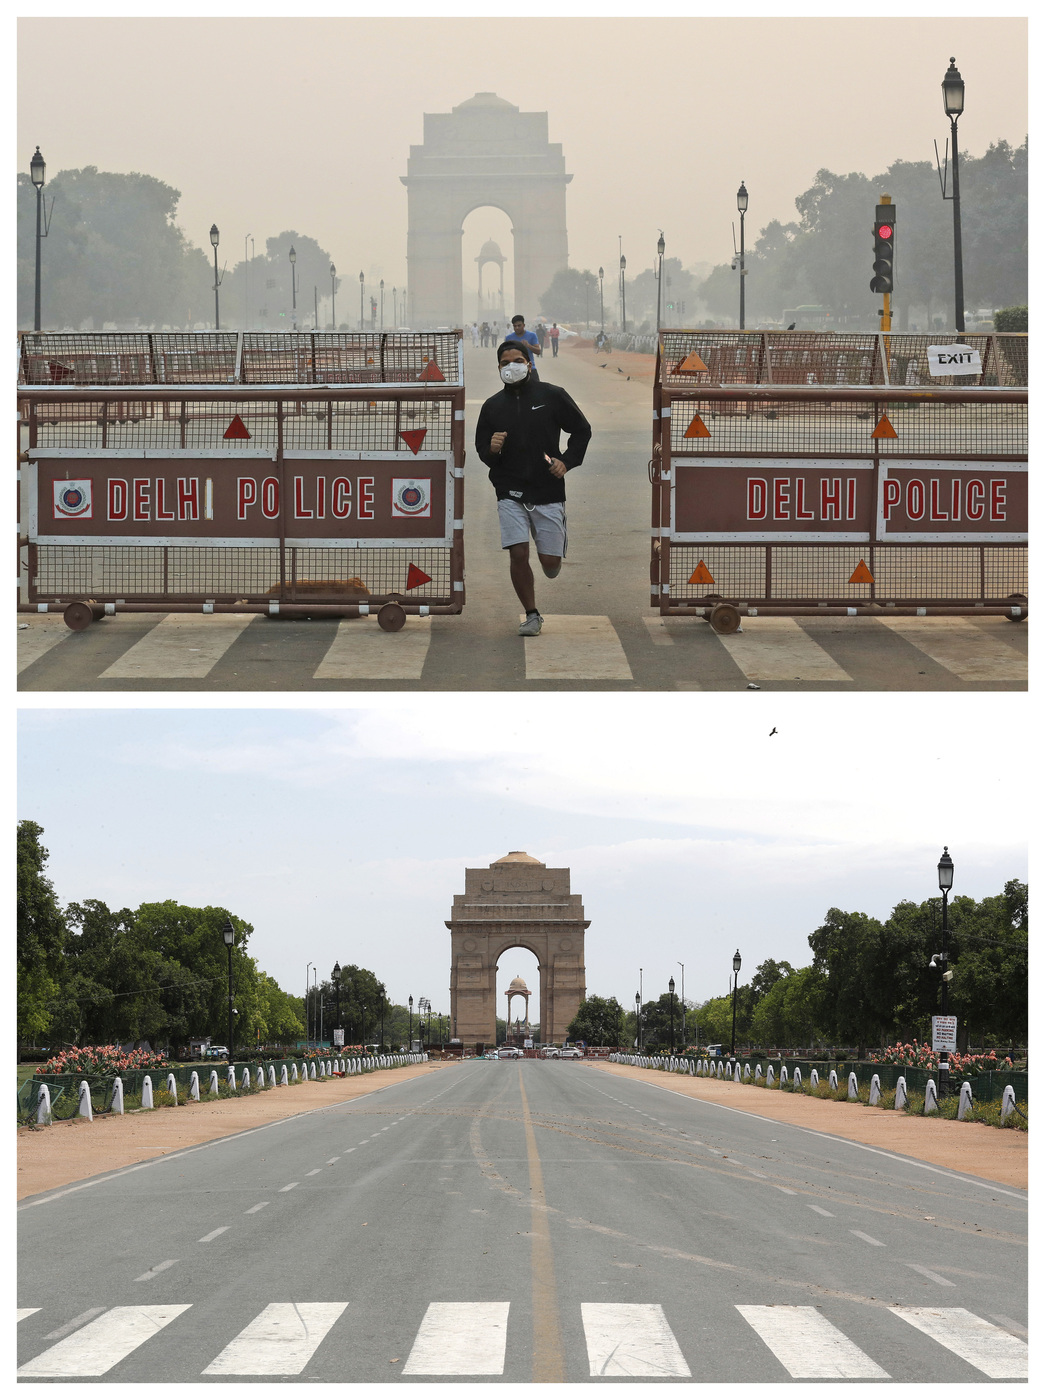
point(547, 525)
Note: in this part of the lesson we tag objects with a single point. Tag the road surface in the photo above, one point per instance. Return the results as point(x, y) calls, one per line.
point(525, 1221)
point(600, 632)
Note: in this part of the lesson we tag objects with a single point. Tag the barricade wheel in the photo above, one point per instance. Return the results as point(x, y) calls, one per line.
point(725, 618)
point(1021, 599)
point(79, 616)
point(391, 617)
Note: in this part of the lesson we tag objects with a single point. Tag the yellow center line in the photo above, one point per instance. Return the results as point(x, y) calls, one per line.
point(548, 1364)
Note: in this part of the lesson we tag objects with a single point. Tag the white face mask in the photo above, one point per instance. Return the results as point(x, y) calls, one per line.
point(514, 372)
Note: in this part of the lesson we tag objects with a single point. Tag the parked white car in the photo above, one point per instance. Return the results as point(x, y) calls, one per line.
point(571, 1052)
point(509, 1052)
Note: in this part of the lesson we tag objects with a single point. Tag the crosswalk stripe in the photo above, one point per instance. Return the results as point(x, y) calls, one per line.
point(576, 648)
point(279, 1342)
point(97, 1348)
point(630, 1339)
point(778, 649)
point(946, 640)
point(460, 1339)
point(808, 1346)
point(360, 651)
point(990, 1349)
point(26, 1312)
point(39, 637)
point(180, 647)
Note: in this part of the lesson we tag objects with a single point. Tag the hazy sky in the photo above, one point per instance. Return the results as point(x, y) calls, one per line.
point(344, 833)
point(306, 123)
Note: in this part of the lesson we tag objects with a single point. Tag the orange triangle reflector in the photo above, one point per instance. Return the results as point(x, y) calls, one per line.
point(432, 371)
point(413, 437)
point(415, 577)
point(701, 574)
point(236, 429)
point(861, 574)
point(692, 364)
point(698, 428)
point(370, 359)
point(885, 429)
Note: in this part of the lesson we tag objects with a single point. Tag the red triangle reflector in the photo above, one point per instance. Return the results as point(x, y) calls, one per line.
point(432, 372)
point(698, 428)
point(885, 429)
point(691, 364)
point(413, 437)
point(861, 574)
point(58, 372)
point(236, 429)
point(415, 577)
point(701, 574)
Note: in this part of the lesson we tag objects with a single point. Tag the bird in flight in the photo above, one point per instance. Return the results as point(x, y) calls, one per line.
point(772, 732)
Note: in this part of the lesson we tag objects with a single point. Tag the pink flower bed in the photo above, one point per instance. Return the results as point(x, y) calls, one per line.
point(102, 1059)
point(916, 1056)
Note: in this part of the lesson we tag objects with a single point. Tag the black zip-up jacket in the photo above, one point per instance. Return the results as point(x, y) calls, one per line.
point(533, 415)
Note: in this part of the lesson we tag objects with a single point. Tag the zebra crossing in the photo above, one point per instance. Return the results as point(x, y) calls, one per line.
point(470, 1339)
point(664, 653)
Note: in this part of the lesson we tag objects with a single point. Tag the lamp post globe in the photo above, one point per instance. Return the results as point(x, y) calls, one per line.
point(736, 973)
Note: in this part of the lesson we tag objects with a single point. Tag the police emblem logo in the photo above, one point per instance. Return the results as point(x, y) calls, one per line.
point(72, 500)
point(411, 497)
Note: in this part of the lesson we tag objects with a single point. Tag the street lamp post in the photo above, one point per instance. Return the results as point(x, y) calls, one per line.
point(381, 284)
point(954, 105)
point(335, 977)
point(638, 1021)
point(410, 1038)
point(660, 269)
point(742, 206)
point(945, 875)
point(602, 307)
point(623, 296)
point(37, 168)
point(361, 282)
point(733, 1037)
point(293, 289)
point(395, 309)
point(333, 279)
point(362, 1012)
point(671, 989)
point(229, 935)
point(214, 244)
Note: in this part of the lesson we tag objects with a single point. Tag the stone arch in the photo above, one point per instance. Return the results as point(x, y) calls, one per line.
point(484, 152)
point(517, 902)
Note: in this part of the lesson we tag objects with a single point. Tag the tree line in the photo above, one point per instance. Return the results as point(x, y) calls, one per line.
point(91, 975)
point(870, 984)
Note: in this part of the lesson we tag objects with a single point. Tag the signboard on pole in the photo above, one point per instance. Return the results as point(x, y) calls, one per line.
point(945, 1033)
point(953, 359)
point(339, 1038)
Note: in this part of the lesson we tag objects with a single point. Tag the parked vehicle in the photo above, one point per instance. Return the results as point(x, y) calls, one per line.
point(714, 1050)
point(549, 1052)
point(509, 1052)
point(216, 1052)
point(571, 1052)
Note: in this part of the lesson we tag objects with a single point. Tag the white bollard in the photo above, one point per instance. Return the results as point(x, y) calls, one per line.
point(1008, 1101)
point(832, 1079)
point(43, 1105)
point(84, 1110)
point(783, 1075)
point(312, 1075)
point(245, 1081)
point(901, 1093)
point(736, 1073)
point(798, 1077)
point(758, 1073)
point(194, 1087)
point(814, 1079)
point(232, 1077)
point(272, 1076)
point(769, 1076)
point(283, 1076)
point(931, 1104)
point(117, 1095)
point(293, 1074)
point(172, 1087)
point(876, 1089)
point(747, 1071)
point(329, 1068)
point(854, 1092)
point(259, 1078)
point(147, 1091)
point(964, 1099)
point(213, 1082)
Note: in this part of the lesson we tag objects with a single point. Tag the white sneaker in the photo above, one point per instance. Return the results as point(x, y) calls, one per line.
point(532, 626)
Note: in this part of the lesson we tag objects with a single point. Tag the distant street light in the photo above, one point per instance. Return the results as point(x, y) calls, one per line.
point(638, 1021)
point(229, 935)
point(293, 288)
point(671, 989)
point(623, 295)
point(214, 244)
point(333, 278)
point(37, 168)
point(742, 206)
point(954, 105)
point(361, 282)
point(733, 1038)
point(335, 977)
point(602, 309)
point(411, 1036)
point(660, 269)
point(945, 876)
point(382, 286)
point(395, 310)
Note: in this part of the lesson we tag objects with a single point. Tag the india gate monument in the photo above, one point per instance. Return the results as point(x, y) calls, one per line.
point(517, 902)
point(484, 152)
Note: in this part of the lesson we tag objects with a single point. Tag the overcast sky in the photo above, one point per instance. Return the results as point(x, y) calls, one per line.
point(343, 834)
point(306, 123)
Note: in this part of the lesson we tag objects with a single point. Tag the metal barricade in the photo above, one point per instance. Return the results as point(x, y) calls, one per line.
point(293, 474)
point(829, 497)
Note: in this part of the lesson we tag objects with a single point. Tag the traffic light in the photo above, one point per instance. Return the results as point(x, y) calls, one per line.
point(884, 247)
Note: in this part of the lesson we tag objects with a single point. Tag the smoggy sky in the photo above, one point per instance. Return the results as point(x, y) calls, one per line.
point(306, 123)
point(344, 833)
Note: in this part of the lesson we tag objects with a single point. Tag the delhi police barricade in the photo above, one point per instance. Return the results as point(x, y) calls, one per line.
point(793, 474)
point(293, 474)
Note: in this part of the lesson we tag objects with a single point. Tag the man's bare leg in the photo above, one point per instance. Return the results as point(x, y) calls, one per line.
point(522, 575)
point(551, 564)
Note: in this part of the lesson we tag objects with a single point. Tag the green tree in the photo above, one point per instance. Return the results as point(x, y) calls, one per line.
point(572, 296)
point(599, 1021)
point(39, 938)
point(1011, 318)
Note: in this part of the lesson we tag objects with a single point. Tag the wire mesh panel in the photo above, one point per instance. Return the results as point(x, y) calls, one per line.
point(842, 496)
point(339, 496)
point(128, 357)
point(386, 357)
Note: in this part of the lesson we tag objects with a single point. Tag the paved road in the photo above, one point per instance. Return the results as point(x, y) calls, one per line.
point(533, 1221)
point(600, 632)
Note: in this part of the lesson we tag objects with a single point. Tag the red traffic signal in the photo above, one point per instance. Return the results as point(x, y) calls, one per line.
point(884, 248)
